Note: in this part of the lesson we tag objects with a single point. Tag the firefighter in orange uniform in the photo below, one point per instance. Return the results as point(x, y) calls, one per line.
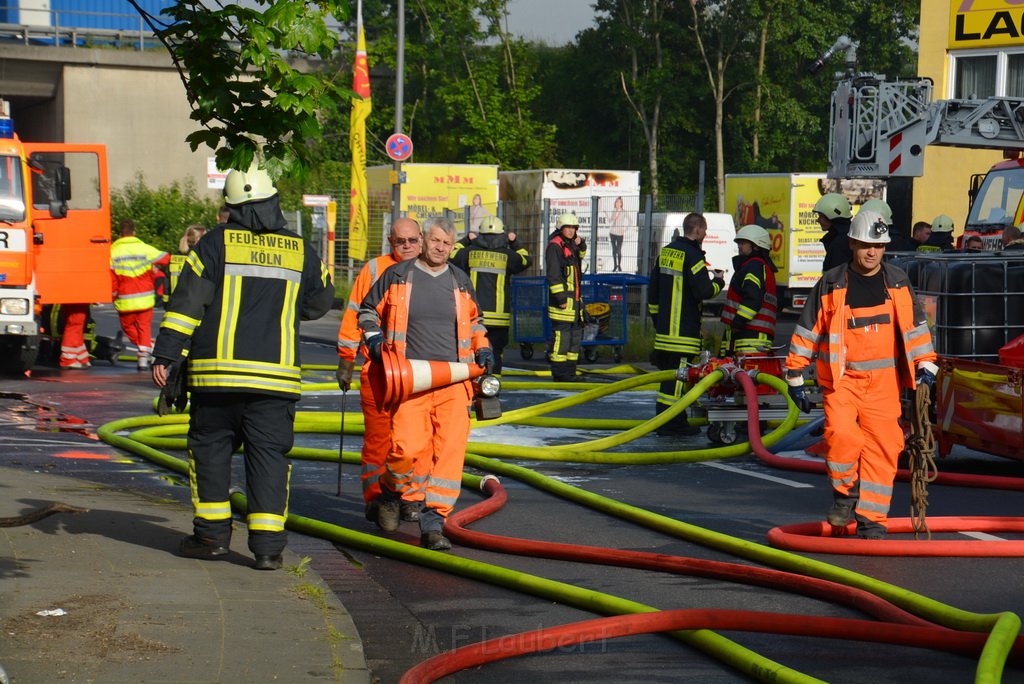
point(405, 243)
point(132, 275)
point(870, 339)
point(426, 309)
point(73, 351)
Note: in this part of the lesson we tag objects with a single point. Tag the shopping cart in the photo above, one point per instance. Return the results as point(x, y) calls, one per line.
point(530, 323)
point(606, 303)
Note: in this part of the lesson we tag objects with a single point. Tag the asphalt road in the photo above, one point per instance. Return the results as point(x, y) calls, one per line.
point(406, 613)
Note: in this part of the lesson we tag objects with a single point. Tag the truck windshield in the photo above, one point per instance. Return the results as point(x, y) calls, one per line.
point(12, 192)
point(998, 199)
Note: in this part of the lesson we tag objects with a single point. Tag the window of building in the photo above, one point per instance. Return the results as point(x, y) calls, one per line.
point(986, 73)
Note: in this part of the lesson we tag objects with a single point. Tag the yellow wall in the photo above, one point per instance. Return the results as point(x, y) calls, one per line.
point(947, 170)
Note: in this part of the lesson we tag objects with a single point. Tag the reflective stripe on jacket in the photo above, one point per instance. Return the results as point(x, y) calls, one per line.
point(563, 263)
point(821, 331)
point(131, 273)
point(751, 295)
point(349, 336)
point(240, 298)
point(679, 285)
point(386, 309)
point(490, 270)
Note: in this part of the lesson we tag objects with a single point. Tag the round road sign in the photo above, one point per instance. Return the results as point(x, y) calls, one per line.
point(399, 146)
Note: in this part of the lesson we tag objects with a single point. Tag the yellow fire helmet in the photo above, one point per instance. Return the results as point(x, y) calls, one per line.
point(492, 225)
point(248, 186)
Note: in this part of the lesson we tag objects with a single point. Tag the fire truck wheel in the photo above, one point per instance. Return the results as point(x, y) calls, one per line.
point(526, 351)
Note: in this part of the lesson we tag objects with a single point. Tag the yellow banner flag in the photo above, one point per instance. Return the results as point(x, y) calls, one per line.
point(358, 213)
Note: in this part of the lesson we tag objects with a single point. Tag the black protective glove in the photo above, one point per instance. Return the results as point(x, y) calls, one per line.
point(344, 374)
point(373, 345)
point(174, 394)
point(739, 323)
point(485, 359)
point(926, 377)
point(798, 393)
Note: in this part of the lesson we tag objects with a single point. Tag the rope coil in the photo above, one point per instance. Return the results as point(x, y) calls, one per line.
point(920, 450)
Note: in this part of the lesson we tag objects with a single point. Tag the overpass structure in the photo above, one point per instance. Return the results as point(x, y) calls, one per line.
point(131, 100)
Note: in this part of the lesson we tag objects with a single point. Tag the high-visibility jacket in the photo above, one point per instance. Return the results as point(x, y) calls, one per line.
point(751, 295)
point(563, 262)
point(240, 299)
point(174, 271)
point(386, 309)
point(349, 336)
point(679, 284)
point(821, 331)
point(131, 273)
point(490, 260)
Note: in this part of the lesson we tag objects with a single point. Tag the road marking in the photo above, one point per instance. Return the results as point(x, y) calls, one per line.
point(49, 441)
point(771, 478)
point(983, 536)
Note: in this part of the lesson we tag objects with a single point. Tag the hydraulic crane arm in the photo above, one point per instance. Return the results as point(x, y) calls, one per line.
point(880, 128)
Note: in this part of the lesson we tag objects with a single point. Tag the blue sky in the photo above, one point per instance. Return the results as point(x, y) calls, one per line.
point(554, 22)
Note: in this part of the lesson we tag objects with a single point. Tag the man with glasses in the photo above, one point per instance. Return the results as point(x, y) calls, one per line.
point(405, 244)
point(425, 309)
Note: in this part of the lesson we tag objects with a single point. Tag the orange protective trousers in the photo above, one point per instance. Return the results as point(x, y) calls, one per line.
point(138, 326)
point(377, 445)
point(863, 436)
point(429, 432)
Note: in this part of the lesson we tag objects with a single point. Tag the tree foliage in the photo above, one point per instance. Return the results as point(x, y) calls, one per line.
point(161, 215)
point(655, 85)
point(238, 65)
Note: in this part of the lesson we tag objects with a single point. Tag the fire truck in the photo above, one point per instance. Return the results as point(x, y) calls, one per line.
point(880, 129)
point(54, 245)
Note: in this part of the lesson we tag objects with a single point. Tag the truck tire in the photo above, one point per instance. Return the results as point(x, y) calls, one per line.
point(19, 354)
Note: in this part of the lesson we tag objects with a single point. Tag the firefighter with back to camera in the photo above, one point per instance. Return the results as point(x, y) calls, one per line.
point(679, 284)
point(238, 303)
point(868, 337)
point(491, 258)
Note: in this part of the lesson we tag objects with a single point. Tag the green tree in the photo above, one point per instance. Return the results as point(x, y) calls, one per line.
point(161, 215)
point(470, 91)
point(248, 92)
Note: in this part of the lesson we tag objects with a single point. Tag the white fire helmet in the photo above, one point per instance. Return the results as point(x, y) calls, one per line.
point(756, 234)
point(870, 227)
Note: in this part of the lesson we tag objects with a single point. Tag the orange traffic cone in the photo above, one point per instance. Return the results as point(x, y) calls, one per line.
point(395, 378)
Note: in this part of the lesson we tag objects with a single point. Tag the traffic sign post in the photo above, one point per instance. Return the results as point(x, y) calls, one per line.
point(399, 146)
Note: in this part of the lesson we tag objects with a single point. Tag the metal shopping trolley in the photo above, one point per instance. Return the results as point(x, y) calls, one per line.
point(606, 307)
point(530, 323)
point(606, 304)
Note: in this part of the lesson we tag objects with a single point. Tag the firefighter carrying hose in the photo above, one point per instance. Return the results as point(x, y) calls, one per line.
point(425, 309)
point(563, 263)
point(870, 338)
point(751, 304)
point(491, 259)
point(238, 302)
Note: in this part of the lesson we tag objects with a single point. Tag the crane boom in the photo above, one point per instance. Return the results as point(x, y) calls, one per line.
point(880, 128)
